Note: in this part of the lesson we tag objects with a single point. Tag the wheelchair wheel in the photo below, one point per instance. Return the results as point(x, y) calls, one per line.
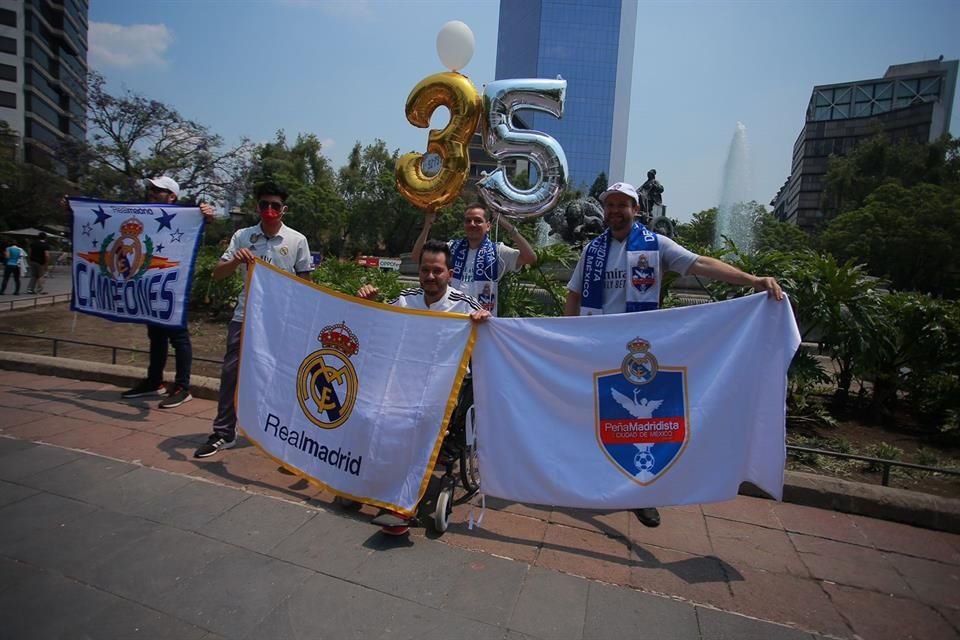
point(441, 517)
point(469, 466)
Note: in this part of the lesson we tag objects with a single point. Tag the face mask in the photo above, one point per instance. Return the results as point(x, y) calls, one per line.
point(270, 215)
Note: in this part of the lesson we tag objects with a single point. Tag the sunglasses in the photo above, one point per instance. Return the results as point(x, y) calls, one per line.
point(263, 205)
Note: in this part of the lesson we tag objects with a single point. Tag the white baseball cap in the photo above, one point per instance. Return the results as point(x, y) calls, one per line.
point(165, 182)
point(621, 187)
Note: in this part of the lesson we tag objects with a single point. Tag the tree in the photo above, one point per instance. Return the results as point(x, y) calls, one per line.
point(316, 207)
point(697, 235)
point(909, 236)
point(850, 179)
point(132, 137)
point(29, 196)
point(599, 185)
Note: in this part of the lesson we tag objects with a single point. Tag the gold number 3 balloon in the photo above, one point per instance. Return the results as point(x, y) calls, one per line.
point(455, 92)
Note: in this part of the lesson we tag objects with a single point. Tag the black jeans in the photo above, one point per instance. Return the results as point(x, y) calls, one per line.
point(160, 340)
point(225, 424)
point(11, 271)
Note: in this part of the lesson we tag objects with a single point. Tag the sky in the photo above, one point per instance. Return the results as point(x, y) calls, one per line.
point(342, 70)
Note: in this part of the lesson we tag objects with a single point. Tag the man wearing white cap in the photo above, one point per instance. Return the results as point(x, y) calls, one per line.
point(620, 271)
point(165, 190)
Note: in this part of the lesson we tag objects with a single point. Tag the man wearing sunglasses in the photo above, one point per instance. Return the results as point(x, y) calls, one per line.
point(275, 243)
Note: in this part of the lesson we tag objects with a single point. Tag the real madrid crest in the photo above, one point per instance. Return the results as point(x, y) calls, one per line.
point(125, 258)
point(639, 366)
point(327, 380)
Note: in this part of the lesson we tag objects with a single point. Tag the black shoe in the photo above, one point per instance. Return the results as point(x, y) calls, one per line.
point(179, 396)
point(145, 388)
point(214, 443)
point(648, 517)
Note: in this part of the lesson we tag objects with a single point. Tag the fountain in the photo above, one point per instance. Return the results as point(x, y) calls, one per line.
point(733, 214)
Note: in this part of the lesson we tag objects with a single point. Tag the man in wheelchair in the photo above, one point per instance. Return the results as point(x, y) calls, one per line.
point(435, 294)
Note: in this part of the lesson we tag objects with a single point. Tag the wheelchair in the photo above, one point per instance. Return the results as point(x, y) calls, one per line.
point(458, 459)
point(458, 455)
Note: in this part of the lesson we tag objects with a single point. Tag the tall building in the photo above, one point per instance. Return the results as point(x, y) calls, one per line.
point(590, 44)
point(910, 102)
point(43, 75)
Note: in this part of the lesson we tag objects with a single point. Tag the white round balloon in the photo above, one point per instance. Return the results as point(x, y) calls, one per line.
point(455, 45)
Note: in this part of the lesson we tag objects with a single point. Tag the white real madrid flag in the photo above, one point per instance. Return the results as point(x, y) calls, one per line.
point(635, 410)
point(349, 393)
point(134, 262)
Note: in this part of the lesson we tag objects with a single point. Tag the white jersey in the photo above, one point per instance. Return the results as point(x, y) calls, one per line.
point(287, 250)
point(453, 301)
point(673, 257)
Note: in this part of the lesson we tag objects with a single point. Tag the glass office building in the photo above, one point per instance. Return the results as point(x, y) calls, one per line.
point(43, 76)
point(590, 44)
point(912, 101)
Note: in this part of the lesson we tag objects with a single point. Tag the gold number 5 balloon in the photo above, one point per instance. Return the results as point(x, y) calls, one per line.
point(455, 92)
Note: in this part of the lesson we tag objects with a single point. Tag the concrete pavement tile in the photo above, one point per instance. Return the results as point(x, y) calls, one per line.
point(192, 408)
point(486, 589)
point(130, 492)
point(10, 493)
point(77, 476)
point(127, 620)
point(586, 553)
point(16, 466)
point(77, 547)
point(911, 541)
point(44, 427)
point(935, 583)
point(849, 564)
point(189, 428)
point(147, 570)
point(234, 593)
point(881, 617)
point(819, 522)
point(12, 445)
point(789, 600)
point(747, 510)
point(551, 605)
point(192, 505)
point(110, 412)
point(720, 625)
point(952, 616)
point(10, 416)
point(742, 544)
point(22, 398)
point(326, 607)
point(440, 626)
point(614, 524)
point(703, 579)
point(502, 534)
point(37, 604)
point(330, 544)
point(38, 517)
point(423, 571)
point(516, 508)
point(681, 530)
point(93, 437)
point(169, 454)
point(258, 523)
point(615, 613)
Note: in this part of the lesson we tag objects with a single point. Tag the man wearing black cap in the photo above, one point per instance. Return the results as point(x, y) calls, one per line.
point(621, 269)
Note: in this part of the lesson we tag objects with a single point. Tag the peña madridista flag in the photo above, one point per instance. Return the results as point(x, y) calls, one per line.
point(669, 407)
point(349, 393)
point(133, 262)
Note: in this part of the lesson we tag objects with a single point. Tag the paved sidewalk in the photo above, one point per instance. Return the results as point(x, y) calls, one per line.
point(102, 546)
point(57, 287)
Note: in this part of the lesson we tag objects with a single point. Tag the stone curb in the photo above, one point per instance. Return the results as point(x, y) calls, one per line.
point(824, 492)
